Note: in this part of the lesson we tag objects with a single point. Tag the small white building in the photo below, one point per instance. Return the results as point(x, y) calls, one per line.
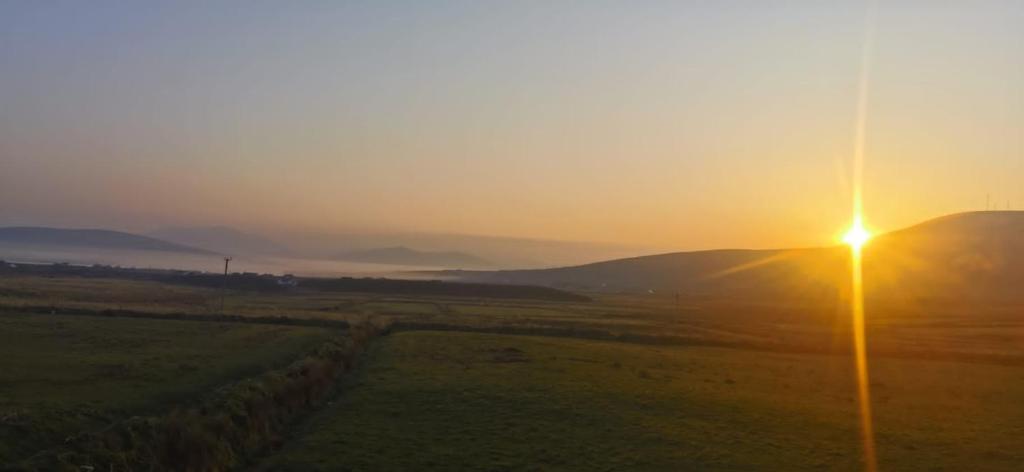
point(288, 280)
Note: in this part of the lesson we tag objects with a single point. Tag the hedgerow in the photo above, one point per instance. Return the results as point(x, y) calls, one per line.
point(220, 432)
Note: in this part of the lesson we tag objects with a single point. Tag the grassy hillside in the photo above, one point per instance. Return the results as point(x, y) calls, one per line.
point(977, 255)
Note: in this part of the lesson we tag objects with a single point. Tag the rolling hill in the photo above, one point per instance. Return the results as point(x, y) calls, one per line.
point(976, 254)
point(40, 237)
point(222, 239)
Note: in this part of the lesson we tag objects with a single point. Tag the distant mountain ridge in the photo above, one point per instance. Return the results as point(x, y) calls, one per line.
point(89, 238)
point(223, 239)
point(975, 254)
point(401, 255)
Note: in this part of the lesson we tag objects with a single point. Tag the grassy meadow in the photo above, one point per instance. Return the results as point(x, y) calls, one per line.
point(623, 382)
point(60, 375)
point(443, 401)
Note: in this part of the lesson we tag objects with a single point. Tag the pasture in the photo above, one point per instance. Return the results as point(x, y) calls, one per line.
point(623, 382)
point(444, 400)
point(62, 375)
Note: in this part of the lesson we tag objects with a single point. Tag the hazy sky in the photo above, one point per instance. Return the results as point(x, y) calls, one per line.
point(672, 124)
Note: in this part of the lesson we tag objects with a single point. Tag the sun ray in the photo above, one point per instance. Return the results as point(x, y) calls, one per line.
point(856, 237)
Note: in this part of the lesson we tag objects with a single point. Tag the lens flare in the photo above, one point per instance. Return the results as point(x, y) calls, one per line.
point(857, 236)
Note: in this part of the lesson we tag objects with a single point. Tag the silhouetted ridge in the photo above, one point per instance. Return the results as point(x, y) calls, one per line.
point(91, 238)
point(223, 239)
point(976, 254)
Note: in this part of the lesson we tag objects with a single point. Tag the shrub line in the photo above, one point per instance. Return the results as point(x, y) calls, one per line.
point(223, 430)
point(175, 316)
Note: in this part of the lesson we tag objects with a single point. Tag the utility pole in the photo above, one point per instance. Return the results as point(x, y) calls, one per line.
point(224, 285)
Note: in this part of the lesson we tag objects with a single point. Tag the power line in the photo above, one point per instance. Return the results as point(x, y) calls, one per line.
point(224, 285)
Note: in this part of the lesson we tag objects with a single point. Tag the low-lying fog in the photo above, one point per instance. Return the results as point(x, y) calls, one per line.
point(207, 263)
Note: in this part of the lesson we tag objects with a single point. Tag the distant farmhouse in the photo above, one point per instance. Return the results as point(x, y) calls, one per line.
point(288, 280)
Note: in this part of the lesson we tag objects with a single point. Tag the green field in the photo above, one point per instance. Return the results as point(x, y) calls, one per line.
point(625, 382)
point(991, 333)
point(62, 375)
point(443, 401)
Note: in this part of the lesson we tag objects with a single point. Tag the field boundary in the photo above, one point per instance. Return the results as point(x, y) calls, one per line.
point(175, 316)
point(223, 430)
point(545, 331)
point(681, 341)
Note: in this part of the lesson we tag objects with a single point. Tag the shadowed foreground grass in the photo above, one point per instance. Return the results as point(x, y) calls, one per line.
point(449, 401)
point(63, 375)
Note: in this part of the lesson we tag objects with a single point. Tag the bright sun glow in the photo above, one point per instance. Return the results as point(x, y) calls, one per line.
point(856, 236)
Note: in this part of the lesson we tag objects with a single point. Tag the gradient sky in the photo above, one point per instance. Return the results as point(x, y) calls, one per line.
point(680, 125)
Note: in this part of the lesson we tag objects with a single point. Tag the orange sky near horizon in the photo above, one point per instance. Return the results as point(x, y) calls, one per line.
point(674, 126)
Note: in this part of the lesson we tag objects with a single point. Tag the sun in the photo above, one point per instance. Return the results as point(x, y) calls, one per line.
point(857, 236)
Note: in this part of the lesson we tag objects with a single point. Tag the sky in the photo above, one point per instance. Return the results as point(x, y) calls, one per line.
point(676, 125)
